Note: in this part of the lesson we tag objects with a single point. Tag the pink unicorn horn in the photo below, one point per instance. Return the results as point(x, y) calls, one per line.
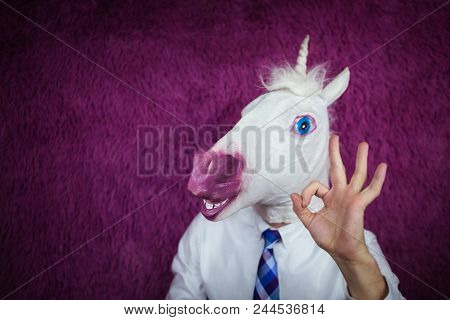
point(300, 67)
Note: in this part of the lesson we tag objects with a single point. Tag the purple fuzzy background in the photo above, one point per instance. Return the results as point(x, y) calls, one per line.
point(68, 129)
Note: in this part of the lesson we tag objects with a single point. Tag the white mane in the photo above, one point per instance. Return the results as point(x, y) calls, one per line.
point(287, 78)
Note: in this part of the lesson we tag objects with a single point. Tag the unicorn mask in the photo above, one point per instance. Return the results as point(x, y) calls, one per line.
point(279, 146)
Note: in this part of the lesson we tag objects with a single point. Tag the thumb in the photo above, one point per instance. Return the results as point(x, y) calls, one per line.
point(303, 213)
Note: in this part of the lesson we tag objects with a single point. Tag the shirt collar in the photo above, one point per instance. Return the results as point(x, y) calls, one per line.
point(288, 232)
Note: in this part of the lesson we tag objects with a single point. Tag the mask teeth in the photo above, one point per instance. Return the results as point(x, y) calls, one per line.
point(212, 205)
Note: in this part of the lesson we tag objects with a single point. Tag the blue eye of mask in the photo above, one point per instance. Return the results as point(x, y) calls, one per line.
point(304, 125)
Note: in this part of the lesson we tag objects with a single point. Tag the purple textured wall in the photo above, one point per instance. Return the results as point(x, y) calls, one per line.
point(68, 129)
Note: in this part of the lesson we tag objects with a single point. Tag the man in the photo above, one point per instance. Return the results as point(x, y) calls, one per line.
point(325, 254)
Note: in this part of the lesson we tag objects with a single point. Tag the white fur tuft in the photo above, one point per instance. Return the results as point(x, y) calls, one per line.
point(288, 78)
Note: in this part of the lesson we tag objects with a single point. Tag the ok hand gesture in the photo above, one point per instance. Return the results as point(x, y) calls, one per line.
point(338, 227)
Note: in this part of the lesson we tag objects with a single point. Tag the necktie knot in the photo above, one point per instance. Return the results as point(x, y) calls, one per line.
point(270, 238)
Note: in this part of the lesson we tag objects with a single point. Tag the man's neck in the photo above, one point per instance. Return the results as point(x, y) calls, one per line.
point(276, 216)
point(277, 225)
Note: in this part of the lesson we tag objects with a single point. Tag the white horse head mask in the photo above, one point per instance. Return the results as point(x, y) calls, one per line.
point(279, 146)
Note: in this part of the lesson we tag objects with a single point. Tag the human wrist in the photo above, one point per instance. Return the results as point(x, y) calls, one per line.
point(363, 277)
point(361, 258)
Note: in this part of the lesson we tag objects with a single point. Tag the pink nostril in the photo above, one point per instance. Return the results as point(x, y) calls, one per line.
point(219, 164)
point(216, 175)
point(225, 167)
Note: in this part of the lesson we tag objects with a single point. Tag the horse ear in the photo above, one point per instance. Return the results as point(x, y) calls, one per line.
point(337, 87)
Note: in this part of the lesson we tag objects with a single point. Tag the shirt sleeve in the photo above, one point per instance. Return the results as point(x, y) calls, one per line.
point(391, 279)
point(187, 283)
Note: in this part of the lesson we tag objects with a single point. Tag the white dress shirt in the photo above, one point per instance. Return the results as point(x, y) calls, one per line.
point(219, 260)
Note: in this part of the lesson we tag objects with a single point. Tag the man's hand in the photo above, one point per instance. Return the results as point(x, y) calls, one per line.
point(339, 227)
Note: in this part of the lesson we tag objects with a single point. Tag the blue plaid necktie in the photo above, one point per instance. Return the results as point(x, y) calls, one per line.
point(266, 287)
